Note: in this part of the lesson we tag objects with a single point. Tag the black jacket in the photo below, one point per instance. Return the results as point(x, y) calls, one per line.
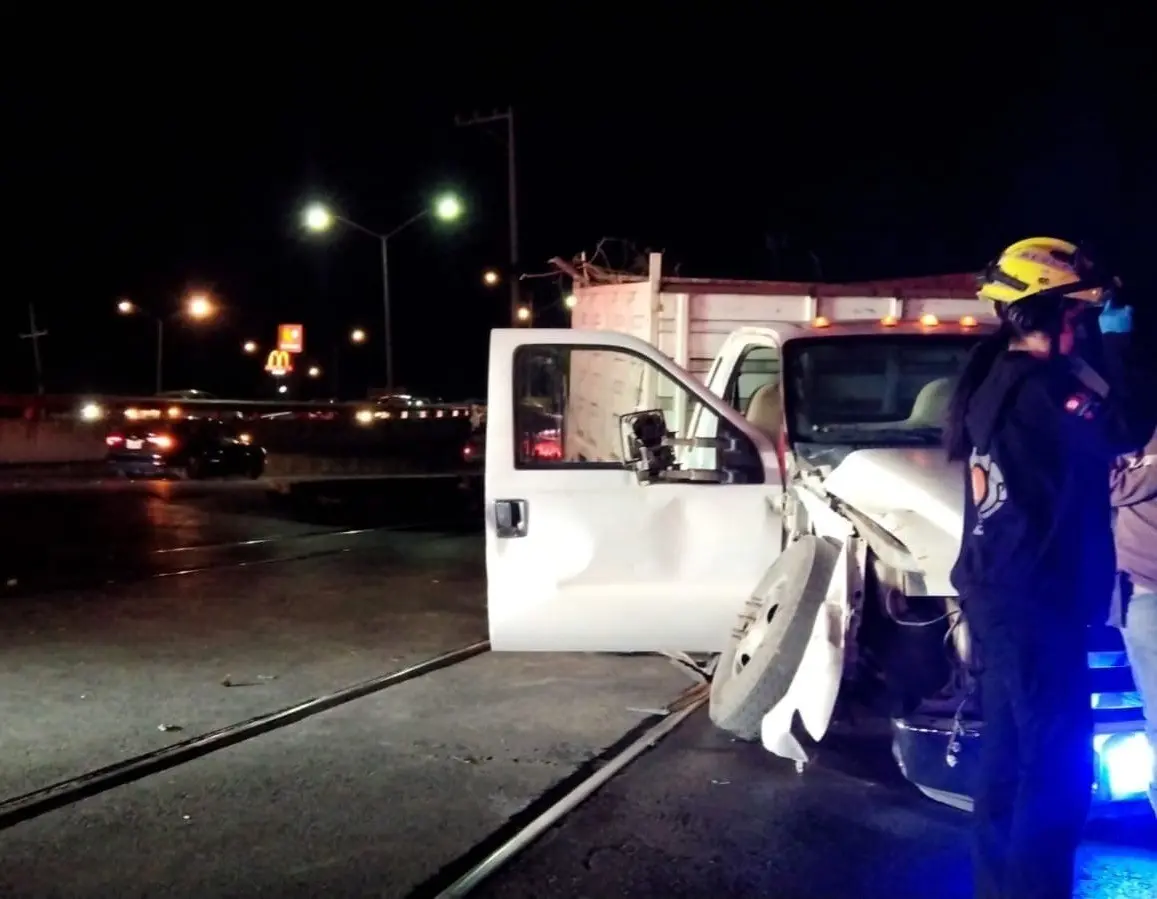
point(1037, 514)
point(1134, 494)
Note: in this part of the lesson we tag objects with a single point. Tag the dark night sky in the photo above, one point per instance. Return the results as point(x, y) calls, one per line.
point(880, 150)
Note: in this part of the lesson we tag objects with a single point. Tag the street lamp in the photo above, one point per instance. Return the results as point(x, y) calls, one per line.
point(357, 335)
point(314, 371)
point(198, 307)
point(249, 346)
point(448, 208)
point(523, 313)
point(490, 277)
point(318, 218)
point(570, 301)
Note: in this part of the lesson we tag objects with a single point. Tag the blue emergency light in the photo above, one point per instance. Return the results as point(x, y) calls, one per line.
point(1125, 763)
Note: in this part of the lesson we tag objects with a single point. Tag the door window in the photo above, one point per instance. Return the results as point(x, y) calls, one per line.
point(758, 367)
point(569, 403)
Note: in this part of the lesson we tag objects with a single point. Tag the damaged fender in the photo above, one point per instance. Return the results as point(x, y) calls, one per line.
point(816, 685)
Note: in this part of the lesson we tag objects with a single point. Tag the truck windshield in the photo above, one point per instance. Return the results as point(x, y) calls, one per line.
point(871, 390)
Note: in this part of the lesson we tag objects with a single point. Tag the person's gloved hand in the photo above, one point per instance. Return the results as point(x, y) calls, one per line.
point(1116, 319)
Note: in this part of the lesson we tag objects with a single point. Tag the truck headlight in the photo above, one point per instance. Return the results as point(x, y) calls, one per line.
point(1126, 763)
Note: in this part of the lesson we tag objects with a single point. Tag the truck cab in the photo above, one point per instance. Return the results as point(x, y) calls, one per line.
point(753, 471)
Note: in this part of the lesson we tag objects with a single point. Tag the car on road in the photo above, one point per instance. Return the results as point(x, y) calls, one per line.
point(543, 445)
point(474, 451)
point(187, 395)
point(193, 448)
point(401, 401)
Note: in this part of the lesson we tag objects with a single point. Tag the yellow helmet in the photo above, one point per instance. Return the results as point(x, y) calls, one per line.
point(1042, 266)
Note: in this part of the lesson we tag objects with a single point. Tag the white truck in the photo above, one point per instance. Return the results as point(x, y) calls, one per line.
point(753, 470)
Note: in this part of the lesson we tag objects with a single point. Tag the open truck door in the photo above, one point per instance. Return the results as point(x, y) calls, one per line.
point(600, 535)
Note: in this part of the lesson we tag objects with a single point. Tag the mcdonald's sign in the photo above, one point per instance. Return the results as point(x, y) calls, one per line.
point(278, 363)
point(291, 338)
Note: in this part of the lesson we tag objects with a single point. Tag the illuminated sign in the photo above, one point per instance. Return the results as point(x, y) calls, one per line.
point(291, 338)
point(278, 363)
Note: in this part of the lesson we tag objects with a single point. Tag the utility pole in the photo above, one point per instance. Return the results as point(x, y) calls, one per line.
point(160, 373)
point(512, 192)
point(35, 336)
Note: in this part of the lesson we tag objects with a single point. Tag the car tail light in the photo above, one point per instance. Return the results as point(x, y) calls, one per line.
point(546, 448)
point(114, 440)
point(161, 441)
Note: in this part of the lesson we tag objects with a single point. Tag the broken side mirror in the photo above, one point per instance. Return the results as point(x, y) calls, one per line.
point(649, 449)
point(646, 444)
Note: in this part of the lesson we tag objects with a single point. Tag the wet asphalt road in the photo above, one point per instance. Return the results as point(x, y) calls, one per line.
point(704, 815)
point(392, 794)
point(54, 539)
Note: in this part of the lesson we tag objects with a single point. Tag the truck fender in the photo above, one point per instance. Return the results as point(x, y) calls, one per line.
point(816, 686)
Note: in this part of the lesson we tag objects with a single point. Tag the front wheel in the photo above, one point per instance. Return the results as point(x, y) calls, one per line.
point(255, 468)
point(195, 468)
point(772, 633)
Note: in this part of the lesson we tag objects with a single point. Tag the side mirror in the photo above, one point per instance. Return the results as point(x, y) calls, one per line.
point(649, 449)
point(645, 443)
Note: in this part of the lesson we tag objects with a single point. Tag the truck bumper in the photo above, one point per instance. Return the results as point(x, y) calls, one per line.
point(920, 747)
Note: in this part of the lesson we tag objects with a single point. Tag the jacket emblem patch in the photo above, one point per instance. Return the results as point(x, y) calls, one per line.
point(989, 493)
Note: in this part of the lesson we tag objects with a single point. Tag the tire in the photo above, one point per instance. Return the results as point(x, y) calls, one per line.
point(195, 469)
point(788, 598)
point(255, 468)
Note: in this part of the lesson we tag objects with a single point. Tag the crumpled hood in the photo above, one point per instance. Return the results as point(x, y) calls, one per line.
point(914, 493)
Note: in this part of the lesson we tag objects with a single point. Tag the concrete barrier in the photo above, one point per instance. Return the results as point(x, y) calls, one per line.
point(435, 442)
point(279, 468)
point(32, 442)
point(282, 465)
point(31, 451)
point(410, 439)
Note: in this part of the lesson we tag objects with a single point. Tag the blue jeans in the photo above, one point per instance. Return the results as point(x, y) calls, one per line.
point(1140, 635)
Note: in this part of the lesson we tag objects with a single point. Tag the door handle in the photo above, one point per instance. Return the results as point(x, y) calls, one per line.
point(510, 517)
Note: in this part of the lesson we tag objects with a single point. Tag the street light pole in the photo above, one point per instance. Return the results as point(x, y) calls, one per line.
point(511, 189)
point(199, 307)
point(318, 218)
point(160, 353)
point(387, 331)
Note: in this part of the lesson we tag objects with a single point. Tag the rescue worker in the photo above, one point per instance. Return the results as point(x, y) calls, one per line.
point(1134, 493)
point(1035, 424)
